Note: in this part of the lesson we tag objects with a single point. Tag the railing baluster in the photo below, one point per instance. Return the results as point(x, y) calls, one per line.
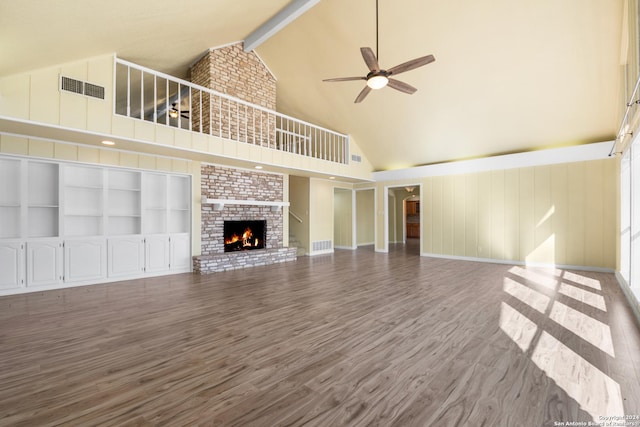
point(283, 133)
point(128, 91)
point(141, 95)
point(155, 99)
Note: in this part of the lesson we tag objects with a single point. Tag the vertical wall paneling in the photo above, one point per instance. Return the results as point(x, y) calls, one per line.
point(471, 215)
point(43, 101)
point(426, 215)
point(576, 214)
point(100, 111)
point(559, 190)
point(527, 221)
point(594, 215)
point(511, 214)
point(543, 213)
point(459, 213)
point(447, 215)
point(610, 213)
point(73, 107)
point(437, 215)
point(484, 215)
point(365, 213)
point(497, 214)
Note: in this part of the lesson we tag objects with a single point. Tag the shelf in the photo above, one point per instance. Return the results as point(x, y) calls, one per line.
point(218, 204)
point(179, 209)
point(43, 206)
point(9, 205)
point(124, 189)
point(124, 215)
point(93, 215)
point(83, 187)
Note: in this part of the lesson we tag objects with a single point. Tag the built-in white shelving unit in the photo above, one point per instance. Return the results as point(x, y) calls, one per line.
point(66, 224)
point(155, 203)
point(124, 198)
point(83, 200)
point(42, 199)
point(179, 204)
point(10, 206)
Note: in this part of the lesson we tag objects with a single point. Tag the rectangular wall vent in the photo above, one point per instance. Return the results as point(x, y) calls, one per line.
point(94, 91)
point(356, 158)
point(82, 88)
point(321, 245)
point(72, 85)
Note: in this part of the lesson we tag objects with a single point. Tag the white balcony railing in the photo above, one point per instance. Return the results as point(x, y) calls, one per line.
point(148, 95)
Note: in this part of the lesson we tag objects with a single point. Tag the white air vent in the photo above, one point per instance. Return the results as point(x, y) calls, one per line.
point(321, 245)
point(71, 85)
point(94, 91)
point(82, 88)
point(356, 158)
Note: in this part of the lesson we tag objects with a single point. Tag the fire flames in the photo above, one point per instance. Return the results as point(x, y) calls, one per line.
point(246, 238)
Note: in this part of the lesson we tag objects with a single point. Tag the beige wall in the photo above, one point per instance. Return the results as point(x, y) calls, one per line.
point(365, 214)
point(559, 214)
point(321, 210)
point(343, 218)
point(299, 199)
point(103, 156)
point(34, 96)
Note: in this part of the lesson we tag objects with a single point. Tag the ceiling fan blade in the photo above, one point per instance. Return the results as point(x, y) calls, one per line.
point(370, 58)
point(363, 94)
point(344, 79)
point(410, 65)
point(184, 116)
point(401, 86)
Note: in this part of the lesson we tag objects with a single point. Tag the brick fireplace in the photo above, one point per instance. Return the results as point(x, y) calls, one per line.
point(223, 183)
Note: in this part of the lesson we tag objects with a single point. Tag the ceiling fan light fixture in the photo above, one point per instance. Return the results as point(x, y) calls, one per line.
point(173, 114)
point(377, 82)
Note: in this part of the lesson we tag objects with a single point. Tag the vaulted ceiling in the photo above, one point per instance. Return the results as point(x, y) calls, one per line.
point(509, 76)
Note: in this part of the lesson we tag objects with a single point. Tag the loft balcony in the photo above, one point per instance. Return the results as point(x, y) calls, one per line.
point(153, 97)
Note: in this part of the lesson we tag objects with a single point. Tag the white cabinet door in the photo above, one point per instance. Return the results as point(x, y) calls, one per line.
point(44, 262)
point(126, 256)
point(11, 265)
point(157, 251)
point(180, 252)
point(85, 259)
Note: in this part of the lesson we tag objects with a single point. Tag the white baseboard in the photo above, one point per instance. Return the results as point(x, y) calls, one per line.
point(325, 252)
point(366, 244)
point(631, 297)
point(351, 248)
point(517, 262)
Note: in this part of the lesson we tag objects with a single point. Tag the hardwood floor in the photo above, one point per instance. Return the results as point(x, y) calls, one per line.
point(355, 338)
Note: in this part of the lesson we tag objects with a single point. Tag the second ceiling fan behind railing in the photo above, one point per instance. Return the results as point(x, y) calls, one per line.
point(378, 78)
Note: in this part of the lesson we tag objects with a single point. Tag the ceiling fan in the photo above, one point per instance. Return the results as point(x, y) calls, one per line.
point(378, 78)
point(174, 112)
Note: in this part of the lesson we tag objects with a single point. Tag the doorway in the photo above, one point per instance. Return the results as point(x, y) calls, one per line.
point(402, 223)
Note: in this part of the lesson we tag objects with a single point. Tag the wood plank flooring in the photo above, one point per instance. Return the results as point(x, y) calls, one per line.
point(356, 338)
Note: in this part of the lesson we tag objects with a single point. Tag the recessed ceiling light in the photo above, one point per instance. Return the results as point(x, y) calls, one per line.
point(258, 167)
point(332, 177)
point(106, 142)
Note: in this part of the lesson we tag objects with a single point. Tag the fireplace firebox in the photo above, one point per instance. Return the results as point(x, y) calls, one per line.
point(244, 235)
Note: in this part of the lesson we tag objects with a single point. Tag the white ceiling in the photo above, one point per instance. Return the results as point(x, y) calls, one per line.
point(509, 76)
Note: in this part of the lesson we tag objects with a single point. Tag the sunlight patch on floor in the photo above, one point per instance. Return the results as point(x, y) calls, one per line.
point(582, 280)
point(595, 391)
point(584, 296)
point(586, 327)
point(549, 281)
point(517, 326)
point(532, 298)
